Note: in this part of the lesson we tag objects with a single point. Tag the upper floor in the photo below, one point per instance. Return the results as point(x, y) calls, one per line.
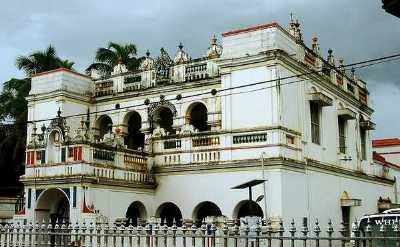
point(262, 92)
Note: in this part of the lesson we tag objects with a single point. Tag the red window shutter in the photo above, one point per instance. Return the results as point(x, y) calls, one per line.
point(32, 157)
point(79, 153)
point(75, 154)
point(28, 158)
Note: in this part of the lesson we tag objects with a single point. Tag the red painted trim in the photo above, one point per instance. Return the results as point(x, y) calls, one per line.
point(378, 157)
point(389, 153)
point(250, 29)
point(386, 142)
point(59, 70)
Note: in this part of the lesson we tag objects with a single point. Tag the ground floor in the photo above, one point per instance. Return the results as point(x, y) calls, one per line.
point(195, 194)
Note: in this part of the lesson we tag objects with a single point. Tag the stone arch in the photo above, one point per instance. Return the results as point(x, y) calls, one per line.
point(52, 205)
point(205, 209)
point(197, 115)
point(103, 125)
point(163, 117)
point(169, 212)
point(55, 139)
point(136, 212)
point(247, 208)
point(134, 138)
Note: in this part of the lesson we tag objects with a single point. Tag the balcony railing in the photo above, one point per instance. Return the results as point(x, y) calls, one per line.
point(205, 141)
point(251, 138)
point(103, 155)
point(104, 88)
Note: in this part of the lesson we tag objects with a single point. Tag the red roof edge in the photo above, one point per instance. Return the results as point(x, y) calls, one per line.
point(377, 157)
point(59, 70)
point(255, 28)
point(385, 142)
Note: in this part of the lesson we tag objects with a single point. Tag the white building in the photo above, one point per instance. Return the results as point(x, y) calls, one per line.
point(171, 140)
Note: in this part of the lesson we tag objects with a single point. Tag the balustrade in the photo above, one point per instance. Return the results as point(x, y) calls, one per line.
point(205, 141)
point(250, 138)
point(104, 88)
point(172, 144)
point(103, 155)
point(137, 162)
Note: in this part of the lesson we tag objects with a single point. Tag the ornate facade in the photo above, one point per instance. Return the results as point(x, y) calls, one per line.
point(170, 140)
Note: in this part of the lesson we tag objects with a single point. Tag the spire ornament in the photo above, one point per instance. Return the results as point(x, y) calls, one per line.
point(215, 50)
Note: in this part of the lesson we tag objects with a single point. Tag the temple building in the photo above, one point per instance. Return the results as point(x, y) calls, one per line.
point(172, 140)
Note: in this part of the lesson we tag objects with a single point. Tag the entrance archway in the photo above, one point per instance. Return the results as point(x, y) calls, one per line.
point(168, 212)
point(135, 212)
point(52, 205)
point(205, 209)
point(248, 208)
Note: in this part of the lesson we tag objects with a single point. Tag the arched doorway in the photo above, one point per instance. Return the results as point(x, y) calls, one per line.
point(197, 116)
point(103, 125)
point(164, 118)
point(135, 212)
point(248, 208)
point(168, 212)
point(52, 205)
point(134, 138)
point(205, 209)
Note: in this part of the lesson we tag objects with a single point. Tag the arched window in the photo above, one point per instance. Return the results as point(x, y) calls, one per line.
point(135, 212)
point(134, 138)
point(163, 118)
point(197, 116)
point(169, 212)
point(104, 125)
point(248, 208)
point(204, 210)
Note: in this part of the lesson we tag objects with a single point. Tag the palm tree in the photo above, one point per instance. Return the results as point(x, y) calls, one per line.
point(41, 61)
point(107, 58)
point(14, 112)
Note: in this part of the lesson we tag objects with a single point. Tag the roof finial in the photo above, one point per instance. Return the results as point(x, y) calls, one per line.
point(180, 46)
point(147, 53)
point(315, 45)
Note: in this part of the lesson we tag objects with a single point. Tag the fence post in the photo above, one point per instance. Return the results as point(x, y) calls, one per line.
point(174, 228)
point(343, 231)
point(304, 230)
point(355, 232)
point(292, 231)
point(368, 232)
point(317, 231)
point(269, 233)
point(225, 232)
point(194, 230)
point(382, 229)
point(330, 233)
point(203, 230)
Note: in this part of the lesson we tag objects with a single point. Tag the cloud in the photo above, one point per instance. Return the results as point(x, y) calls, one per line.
point(355, 30)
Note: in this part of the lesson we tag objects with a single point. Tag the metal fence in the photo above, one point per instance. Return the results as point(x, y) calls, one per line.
point(226, 234)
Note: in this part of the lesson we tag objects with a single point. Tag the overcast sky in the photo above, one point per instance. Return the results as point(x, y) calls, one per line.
point(356, 30)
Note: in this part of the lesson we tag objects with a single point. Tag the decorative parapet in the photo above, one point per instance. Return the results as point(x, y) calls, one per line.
point(205, 141)
point(103, 88)
point(250, 138)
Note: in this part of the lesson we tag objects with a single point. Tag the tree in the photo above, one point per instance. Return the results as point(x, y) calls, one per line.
point(13, 116)
point(108, 58)
point(14, 112)
point(41, 61)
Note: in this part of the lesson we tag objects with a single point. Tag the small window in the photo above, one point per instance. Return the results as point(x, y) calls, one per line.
point(342, 134)
point(315, 123)
point(290, 139)
point(363, 136)
point(63, 154)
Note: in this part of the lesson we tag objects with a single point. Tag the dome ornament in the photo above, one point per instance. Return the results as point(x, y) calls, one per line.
point(215, 50)
point(147, 63)
point(181, 55)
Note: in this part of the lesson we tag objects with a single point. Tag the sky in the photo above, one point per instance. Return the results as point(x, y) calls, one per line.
point(356, 30)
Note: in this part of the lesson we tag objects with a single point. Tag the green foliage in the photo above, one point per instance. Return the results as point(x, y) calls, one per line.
point(14, 112)
point(108, 58)
point(41, 61)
